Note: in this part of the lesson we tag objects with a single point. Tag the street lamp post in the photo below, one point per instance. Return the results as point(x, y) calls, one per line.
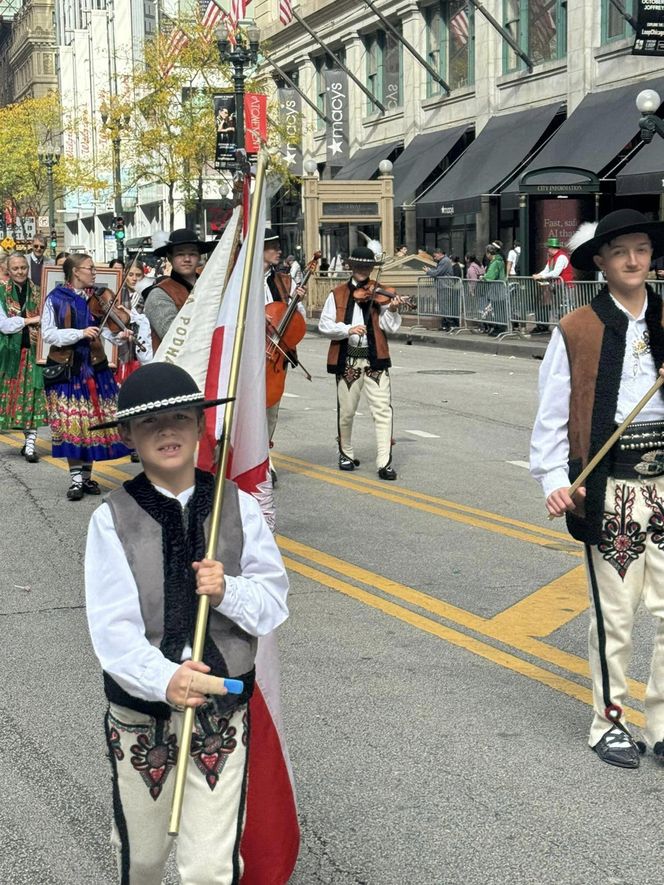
point(112, 124)
point(49, 160)
point(243, 54)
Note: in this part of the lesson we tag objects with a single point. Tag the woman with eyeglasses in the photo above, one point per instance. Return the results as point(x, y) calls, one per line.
point(80, 389)
point(22, 402)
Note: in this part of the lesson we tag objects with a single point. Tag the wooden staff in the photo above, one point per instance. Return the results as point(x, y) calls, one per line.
point(615, 436)
point(222, 463)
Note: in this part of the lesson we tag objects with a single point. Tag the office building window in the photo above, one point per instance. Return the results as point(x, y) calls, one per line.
point(450, 44)
point(614, 25)
point(384, 70)
point(540, 29)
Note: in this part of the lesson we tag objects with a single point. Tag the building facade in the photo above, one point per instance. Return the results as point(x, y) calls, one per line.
point(27, 41)
point(483, 121)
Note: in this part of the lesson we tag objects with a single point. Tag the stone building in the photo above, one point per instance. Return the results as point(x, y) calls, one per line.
point(30, 51)
point(547, 84)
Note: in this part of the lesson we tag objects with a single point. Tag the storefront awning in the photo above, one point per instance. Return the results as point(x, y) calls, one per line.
point(644, 174)
point(420, 158)
point(595, 133)
point(364, 163)
point(496, 152)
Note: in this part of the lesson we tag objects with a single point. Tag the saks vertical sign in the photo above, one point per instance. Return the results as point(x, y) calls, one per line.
point(336, 90)
point(290, 115)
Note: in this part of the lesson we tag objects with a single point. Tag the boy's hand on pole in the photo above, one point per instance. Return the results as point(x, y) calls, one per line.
point(560, 501)
point(210, 580)
point(180, 692)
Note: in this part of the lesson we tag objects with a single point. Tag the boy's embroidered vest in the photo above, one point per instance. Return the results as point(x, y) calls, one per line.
point(64, 356)
point(379, 352)
point(595, 339)
point(141, 539)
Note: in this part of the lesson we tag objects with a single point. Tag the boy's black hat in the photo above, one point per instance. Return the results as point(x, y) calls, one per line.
point(156, 388)
point(271, 236)
point(616, 224)
point(185, 237)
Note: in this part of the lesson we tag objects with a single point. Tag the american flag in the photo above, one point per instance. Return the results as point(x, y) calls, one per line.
point(176, 43)
point(542, 27)
point(211, 14)
point(459, 27)
point(285, 11)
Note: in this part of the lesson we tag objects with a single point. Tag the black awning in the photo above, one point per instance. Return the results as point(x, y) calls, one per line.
point(420, 158)
point(595, 133)
point(644, 174)
point(496, 152)
point(364, 163)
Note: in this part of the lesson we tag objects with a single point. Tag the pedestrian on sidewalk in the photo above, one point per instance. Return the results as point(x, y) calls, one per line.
point(22, 400)
point(600, 362)
point(145, 569)
point(359, 358)
point(80, 388)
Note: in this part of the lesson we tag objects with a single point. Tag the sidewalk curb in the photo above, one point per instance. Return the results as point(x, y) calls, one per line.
point(528, 348)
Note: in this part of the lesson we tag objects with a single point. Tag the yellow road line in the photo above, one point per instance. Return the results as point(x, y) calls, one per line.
point(454, 637)
point(288, 461)
point(437, 510)
point(507, 631)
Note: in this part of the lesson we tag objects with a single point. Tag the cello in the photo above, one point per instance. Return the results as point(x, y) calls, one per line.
point(284, 329)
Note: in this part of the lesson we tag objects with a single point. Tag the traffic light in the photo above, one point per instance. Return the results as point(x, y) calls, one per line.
point(119, 228)
point(54, 240)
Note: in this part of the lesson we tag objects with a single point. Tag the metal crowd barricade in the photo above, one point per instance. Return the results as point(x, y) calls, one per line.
point(440, 297)
point(538, 305)
point(486, 306)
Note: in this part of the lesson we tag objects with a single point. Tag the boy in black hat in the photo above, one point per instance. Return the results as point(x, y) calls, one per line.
point(168, 295)
point(599, 364)
point(359, 357)
point(145, 567)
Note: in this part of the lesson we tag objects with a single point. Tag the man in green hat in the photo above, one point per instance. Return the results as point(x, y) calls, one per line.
point(557, 269)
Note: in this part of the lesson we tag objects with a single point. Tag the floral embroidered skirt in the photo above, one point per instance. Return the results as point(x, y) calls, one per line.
point(22, 404)
point(77, 405)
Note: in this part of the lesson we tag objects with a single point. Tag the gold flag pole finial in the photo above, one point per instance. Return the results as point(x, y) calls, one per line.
point(222, 463)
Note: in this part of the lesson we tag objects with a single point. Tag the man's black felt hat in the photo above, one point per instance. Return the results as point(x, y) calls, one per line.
point(185, 237)
point(362, 255)
point(617, 224)
point(157, 388)
point(271, 236)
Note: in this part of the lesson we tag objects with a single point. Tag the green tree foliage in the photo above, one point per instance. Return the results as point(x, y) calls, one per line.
point(28, 129)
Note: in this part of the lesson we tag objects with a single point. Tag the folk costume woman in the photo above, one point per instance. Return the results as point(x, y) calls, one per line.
point(130, 355)
point(22, 402)
point(81, 390)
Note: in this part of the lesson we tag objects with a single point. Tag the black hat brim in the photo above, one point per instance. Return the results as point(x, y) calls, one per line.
point(202, 404)
point(582, 258)
point(203, 246)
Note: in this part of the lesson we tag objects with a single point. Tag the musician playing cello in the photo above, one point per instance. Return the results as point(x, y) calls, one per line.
point(278, 287)
point(359, 357)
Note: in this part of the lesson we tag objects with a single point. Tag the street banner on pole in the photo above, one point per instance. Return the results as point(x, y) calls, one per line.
point(649, 38)
point(337, 110)
point(255, 121)
point(224, 118)
point(290, 117)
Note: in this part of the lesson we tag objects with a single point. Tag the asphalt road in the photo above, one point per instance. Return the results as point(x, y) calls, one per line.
point(434, 681)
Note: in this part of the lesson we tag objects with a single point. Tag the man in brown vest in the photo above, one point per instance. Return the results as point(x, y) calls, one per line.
point(600, 362)
point(165, 299)
point(359, 357)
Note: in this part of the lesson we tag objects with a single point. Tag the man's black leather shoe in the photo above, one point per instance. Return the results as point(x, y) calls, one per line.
point(346, 463)
point(387, 473)
point(618, 748)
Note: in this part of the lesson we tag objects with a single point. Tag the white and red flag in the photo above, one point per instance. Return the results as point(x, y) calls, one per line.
point(271, 838)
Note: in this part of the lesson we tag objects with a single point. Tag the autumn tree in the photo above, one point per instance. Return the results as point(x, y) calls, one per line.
point(28, 129)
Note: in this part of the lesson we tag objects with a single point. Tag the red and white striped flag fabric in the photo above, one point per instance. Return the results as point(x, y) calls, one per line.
point(459, 27)
point(176, 43)
point(285, 11)
point(211, 15)
point(271, 838)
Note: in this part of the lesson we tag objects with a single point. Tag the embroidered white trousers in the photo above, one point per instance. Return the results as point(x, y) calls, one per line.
point(143, 754)
point(376, 386)
point(627, 568)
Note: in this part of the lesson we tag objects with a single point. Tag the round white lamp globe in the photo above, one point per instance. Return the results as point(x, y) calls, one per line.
point(648, 101)
point(385, 167)
point(310, 166)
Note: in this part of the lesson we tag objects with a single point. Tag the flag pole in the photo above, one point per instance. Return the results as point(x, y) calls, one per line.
point(222, 463)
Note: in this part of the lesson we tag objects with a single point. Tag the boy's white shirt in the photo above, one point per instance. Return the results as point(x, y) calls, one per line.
point(254, 600)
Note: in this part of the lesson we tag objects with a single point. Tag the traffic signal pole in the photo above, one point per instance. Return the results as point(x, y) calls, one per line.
point(117, 188)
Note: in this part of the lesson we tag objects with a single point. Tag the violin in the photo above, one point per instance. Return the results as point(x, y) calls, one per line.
point(103, 306)
point(285, 328)
point(381, 295)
